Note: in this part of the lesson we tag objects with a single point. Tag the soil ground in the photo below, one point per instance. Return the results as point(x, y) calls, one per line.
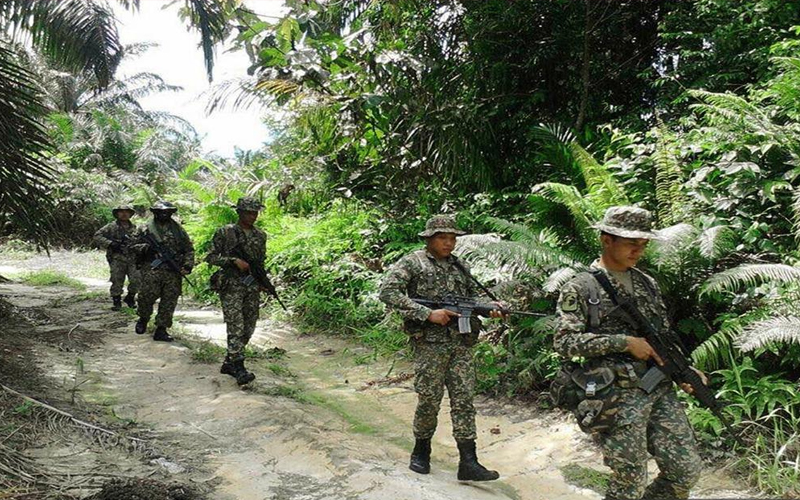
point(323, 420)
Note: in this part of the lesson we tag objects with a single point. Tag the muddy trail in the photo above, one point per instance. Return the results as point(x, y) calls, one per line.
point(324, 419)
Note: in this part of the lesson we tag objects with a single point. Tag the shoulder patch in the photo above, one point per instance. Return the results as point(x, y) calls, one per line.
point(569, 303)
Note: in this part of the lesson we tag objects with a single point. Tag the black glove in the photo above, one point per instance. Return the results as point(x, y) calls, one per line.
point(115, 246)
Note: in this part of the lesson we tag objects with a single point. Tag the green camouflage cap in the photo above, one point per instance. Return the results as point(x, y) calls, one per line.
point(249, 204)
point(441, 224)
point(627, 222)
point(163, 205)
point(123, 207)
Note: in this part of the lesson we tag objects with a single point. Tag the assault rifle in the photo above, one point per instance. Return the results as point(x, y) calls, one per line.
point(118, 246)
point(164, 256)
point(257, 273)
point(676, 365)
point(466, 307)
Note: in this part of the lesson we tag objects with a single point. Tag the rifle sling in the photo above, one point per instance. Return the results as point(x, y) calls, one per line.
point(622, 305)
point(469, 275)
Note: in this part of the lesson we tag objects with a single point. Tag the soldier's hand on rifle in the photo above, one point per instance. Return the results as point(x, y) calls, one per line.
point(185, 271)
point(498, 313)
point(687, 388)
point(115, 246)
point(442, 316)
point(639, 348)
point(242, 265)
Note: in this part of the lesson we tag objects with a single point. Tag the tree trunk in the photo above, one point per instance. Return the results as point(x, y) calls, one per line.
point(584, 102)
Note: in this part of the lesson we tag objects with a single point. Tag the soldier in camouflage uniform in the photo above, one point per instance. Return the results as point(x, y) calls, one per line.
point(591, 326)
point(240, 299)
point(115, 237)
point(160, 282)
point(442, 356)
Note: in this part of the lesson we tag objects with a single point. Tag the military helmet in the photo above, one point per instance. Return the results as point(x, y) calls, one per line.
point(163, 206)
point(249, 204)
point(122, 207)
point(441, 224)
point(628, 222)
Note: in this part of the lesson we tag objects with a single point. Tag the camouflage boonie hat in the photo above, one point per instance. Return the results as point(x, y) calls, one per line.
point(163, 205)
point(249, 204)
point(441, 224)
point(627, 222)
point(123, 207)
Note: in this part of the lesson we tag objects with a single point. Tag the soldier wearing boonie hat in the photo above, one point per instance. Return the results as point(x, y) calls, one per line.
point(239, 299)
point(442, 356)
point(115, 238)
point(627, 420)
point(160, 282)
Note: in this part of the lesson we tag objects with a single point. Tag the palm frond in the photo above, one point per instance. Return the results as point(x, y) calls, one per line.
point(569, 197)
point(81, 34)
point(714, 352)
point(553, 143)
point(674, 240)
point(716, 241)
point(750, 275)
point(602, 187)
point(558, 279)
point(669, 180)
point(471, 242)
point(208, 17)
point(779, 329)
point(240, 93)
point(24, 174)
point(514, 230)
point(526, 256)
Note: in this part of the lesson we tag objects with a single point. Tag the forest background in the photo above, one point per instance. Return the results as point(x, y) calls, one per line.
point(526, 119)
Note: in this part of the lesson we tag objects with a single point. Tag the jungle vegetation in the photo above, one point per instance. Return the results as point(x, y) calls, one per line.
point(525, 119)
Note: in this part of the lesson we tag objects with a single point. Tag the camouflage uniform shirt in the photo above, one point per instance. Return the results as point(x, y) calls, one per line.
point(115, 231)
point(642, 423)
point(253, 243)
point(420, 275)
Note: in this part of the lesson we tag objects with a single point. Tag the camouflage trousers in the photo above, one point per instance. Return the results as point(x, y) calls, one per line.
point(240, 312)
point(439, 365)
point(120, 268)
point(159, 284)
point(654, 423)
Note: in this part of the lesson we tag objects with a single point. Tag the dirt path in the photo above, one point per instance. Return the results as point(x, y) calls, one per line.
point(316, 424)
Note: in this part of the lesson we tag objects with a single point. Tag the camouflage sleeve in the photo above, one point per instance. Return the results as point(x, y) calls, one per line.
point(102, 238)
point(571, 337)
point(219, 253)
point(393, 292)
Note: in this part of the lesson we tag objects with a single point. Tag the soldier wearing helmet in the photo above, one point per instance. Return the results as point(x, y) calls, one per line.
point(238, 295)
point(115, 238)
point(442, 356)
point(159, 281)
point(628, 421)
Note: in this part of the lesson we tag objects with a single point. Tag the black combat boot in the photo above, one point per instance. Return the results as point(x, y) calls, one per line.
point(141, 326)
point(228, 368)
point(468, 467)
point(117, 303)
point(242, 375)
point(130, 299)
point(161, 335)
point(421, 457)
